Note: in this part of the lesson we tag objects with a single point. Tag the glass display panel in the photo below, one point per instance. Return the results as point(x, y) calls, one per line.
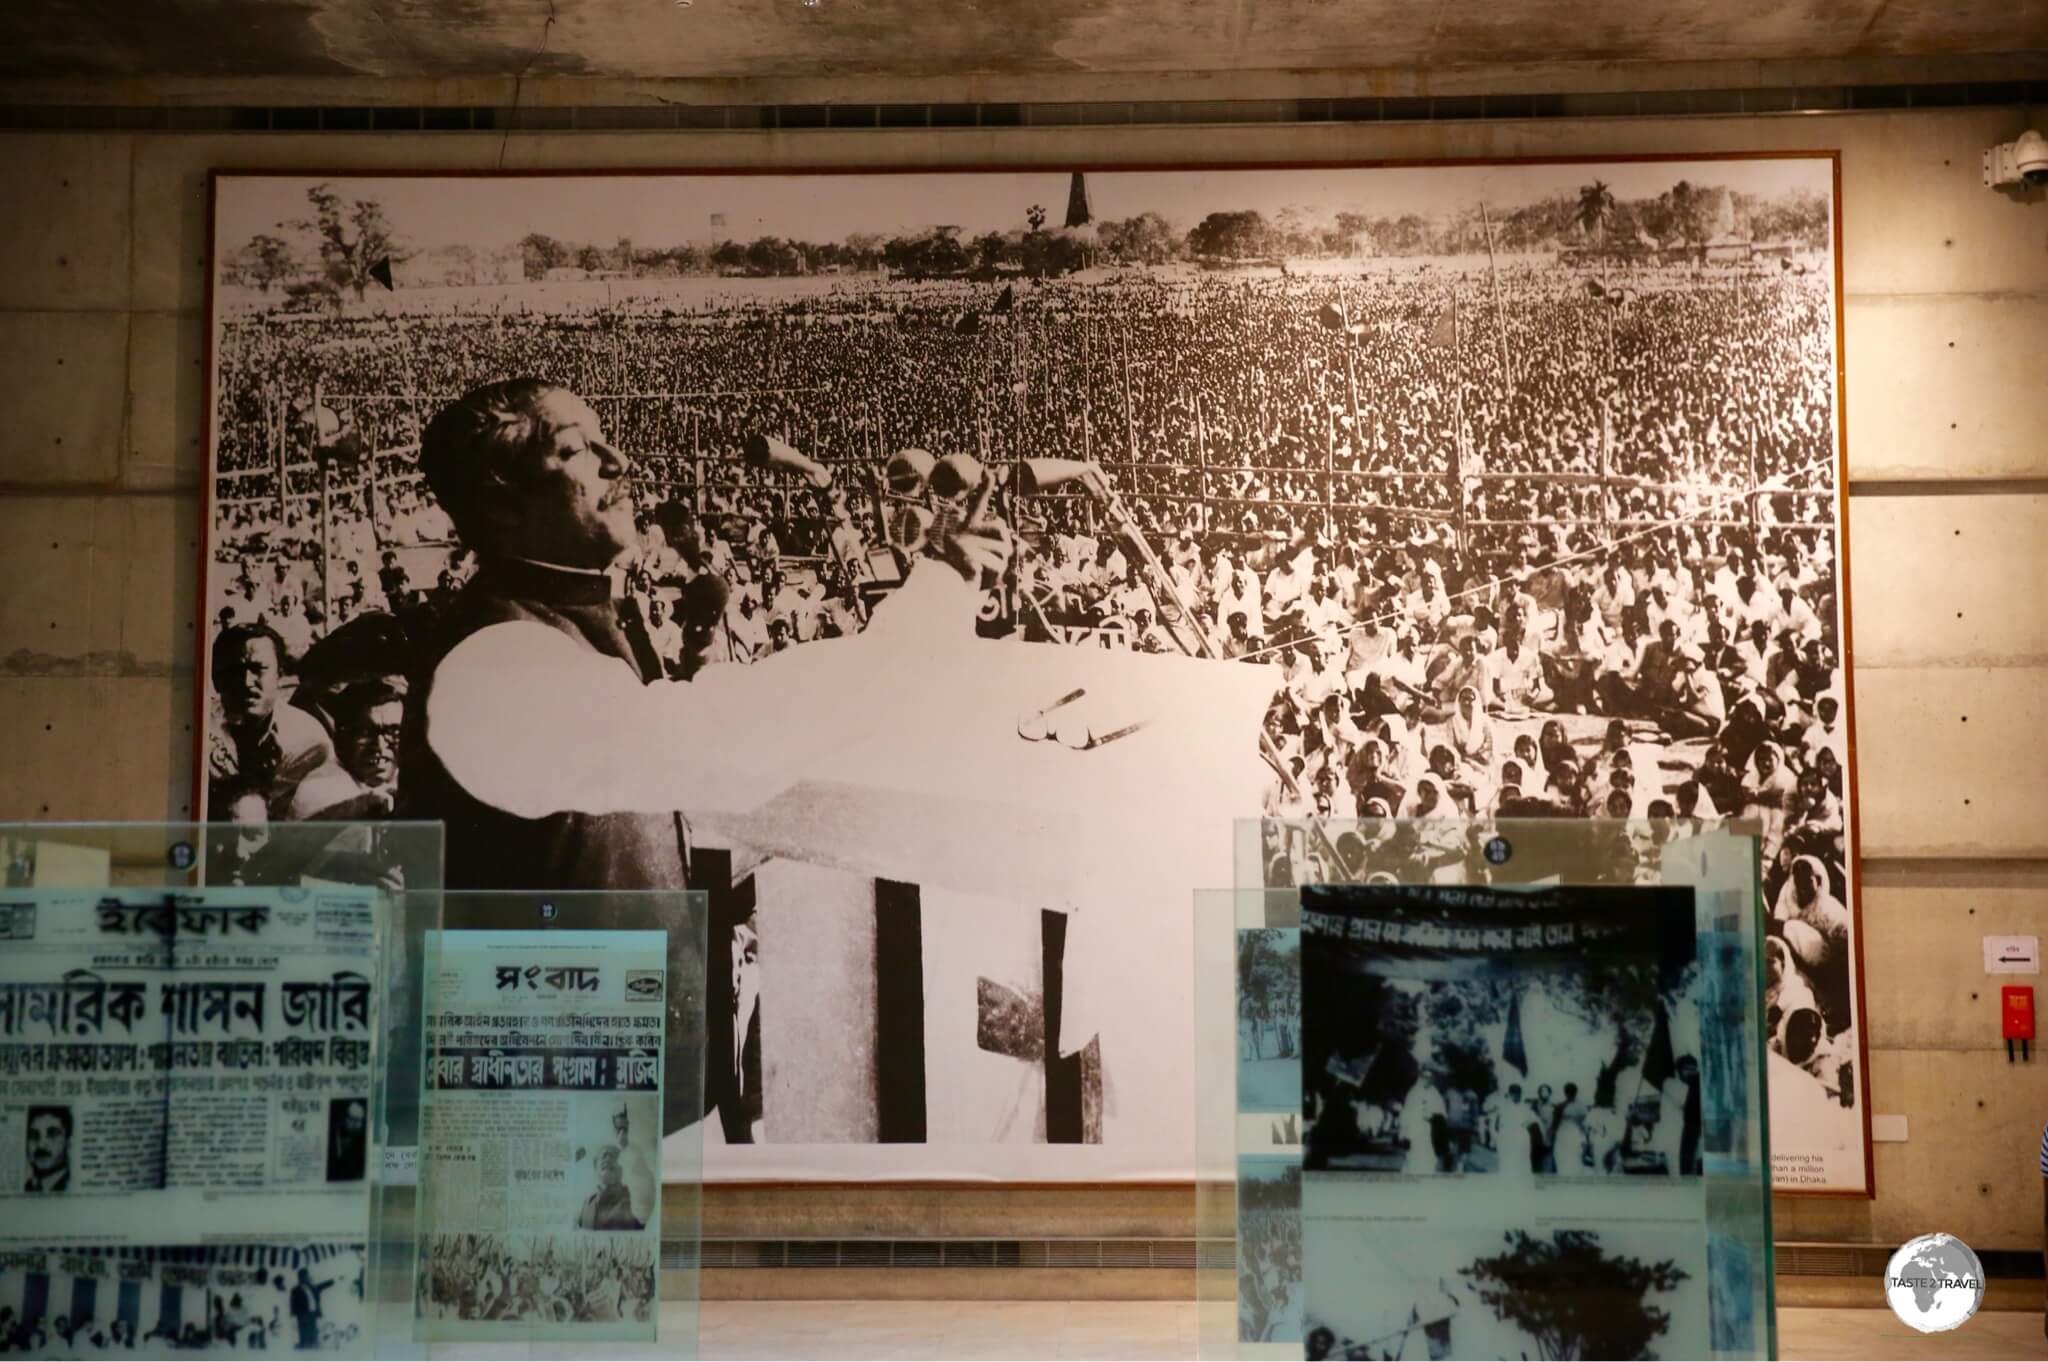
point(558, 1029)
point(1418, 1146)
point(197, 1125)
point(1248, 1123)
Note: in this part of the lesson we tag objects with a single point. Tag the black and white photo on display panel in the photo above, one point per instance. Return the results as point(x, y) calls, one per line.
point(195, 1300)
point(1269, 1266)
point(1376, 1288)
point(1523, 1036)
point(1269, 1020)
point(491, 1282)
point(1504, 489)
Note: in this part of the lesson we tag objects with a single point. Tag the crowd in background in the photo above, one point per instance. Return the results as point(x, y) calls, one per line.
point(489, 1278)
point(1512, 547)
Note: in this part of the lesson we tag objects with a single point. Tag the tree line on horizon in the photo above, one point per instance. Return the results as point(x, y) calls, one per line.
point(333, 251)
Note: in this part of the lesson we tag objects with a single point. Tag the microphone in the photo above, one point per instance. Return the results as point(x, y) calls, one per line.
point(955, 475)
point(951, 480)
point(1040, 474)
point(908, 472)
point(765, 451)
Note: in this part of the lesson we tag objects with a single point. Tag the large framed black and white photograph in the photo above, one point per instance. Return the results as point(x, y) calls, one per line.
point(932, 567)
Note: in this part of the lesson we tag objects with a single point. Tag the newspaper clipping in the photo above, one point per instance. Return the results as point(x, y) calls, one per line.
point(541, 1135)
point(185, 1120)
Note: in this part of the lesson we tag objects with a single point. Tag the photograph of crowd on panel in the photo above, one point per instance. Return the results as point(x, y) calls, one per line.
point(1543, 1034)
point(1510, 1124)
point(932, 567)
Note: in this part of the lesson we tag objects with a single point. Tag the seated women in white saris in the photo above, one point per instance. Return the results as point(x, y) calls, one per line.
point(1470, 731)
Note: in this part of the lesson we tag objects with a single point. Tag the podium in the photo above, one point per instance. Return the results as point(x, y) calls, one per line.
point(973, 939)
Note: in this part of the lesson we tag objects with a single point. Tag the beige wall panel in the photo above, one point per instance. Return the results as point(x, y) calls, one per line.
point(837, 1211)
point(1948, 581)
point(1949, 761)
point(145, 583)
point(63, 378)
point(1138, 1211)
point(46, 562)
point(65, 235)
point(98, 586)
point(95, 748)
point(171, 195)
point(1821, 1219)
point(1916, 215)
point(1012, 1286)
point(1924, 985)
point(1971, 1163)
point(166, 401)
point(1947, 385)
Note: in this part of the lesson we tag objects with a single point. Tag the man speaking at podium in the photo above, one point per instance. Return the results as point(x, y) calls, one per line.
point(1008, 882)
point(542, 729)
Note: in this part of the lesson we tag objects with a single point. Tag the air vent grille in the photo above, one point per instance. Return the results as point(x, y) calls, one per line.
point(669, 116)
point(1793, 1260)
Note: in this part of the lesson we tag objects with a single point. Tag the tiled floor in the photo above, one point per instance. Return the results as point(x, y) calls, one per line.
point(1166, 1329)
point(1826, 1334)
point(947, 1329)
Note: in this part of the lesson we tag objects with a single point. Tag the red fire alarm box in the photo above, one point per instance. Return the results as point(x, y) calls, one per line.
point(2016, 1011)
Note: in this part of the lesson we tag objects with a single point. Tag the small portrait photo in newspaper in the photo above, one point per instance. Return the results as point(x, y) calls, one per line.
point(348, 1138)
point(47, 1143)
point(618, 1159)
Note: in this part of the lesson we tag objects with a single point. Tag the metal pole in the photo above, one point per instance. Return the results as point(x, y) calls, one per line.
point(370, 476)
point(1130, 421)
point(1351, 389)
point(1458, 424)
point(1606, 460)
point(280, 441)
point(326, 582)
point(1500, 331)
point(1087, 383)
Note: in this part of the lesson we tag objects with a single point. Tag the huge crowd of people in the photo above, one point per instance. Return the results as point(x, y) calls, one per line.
point(488, 1278)
point(1512, 547)
point(1269, 1273)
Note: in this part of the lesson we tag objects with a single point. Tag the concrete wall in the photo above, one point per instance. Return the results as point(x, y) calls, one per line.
point(102, 262)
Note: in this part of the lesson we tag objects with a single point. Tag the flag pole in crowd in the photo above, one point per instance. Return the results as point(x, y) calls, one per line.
point(278, 440)
point(1500, 329)
point(370, 484)
point(1087, 384)
point(1130, 421)
point(326, 544)
point(1458, 426)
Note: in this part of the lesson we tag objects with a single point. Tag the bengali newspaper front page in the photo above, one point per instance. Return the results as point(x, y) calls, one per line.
point(186, 1100)
point(540, 1152)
